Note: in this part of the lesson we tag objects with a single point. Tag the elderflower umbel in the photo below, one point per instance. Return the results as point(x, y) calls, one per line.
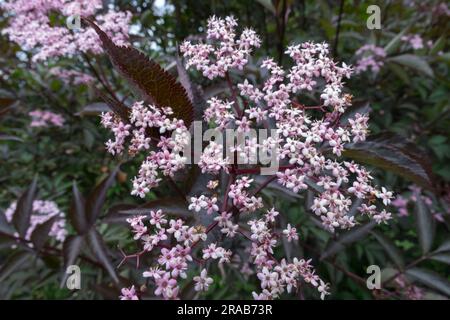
point(308, 147)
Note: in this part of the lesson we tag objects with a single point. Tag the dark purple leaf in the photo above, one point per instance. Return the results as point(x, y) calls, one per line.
point(194, 92)
point(99, 249)
point(392, 251)
point(171, 205)
point(155, 85)
point(347, 238)
point(24, 209)
point(430, 279)
point(8, 137)
point(94, 109)
point(114, 105)
point(115, 215)
point(16, 261)
point(97, 198)
point(394, 153)
point(40, 233)
point(77, 214)
point(425, 225)
point(71, 249)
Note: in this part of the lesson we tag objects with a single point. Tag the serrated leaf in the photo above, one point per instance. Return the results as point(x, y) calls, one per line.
point(24, 209)
point(120, 208)
point(13, 263)
point(425, 225)
point(5, 226)
point(438, 45)
point(395, 41)
point(277, 189)
point(347, 238)
point(413, 62)
point(97, 198)
point(215, 89)
point(314, 185)
point(6, 242)
point(93, 109)
point(193, 92)
point(393, 153)
point(115, 215)
point(390, 248)
point(444, 247)
point(72, 248)
point(99, 249)
point(8, 137)
point(441, 257)
point(268, 5)
point(115, 106)
point(77, 213)
point(171, 205)
point(153, 83)
point(40, 233)
point(430, 279)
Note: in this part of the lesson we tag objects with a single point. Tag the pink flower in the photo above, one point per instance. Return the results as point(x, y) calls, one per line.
point(202, 282)
point(166, 286)
point(383, 216)
point(268, 278)
point(45, 119)
point(128, 294)
point(290, 233)
point(157, 218)
point(385, 195)
point(197, 204)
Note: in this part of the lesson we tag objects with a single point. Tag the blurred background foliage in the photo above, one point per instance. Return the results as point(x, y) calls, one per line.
point(408, 96)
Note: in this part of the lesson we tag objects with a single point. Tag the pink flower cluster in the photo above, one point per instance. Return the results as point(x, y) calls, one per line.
point(173, 261)
point(30, 27)
point(370, 57)
point(408, 290)
point(441, 9)
point(43, 211)
point(41, 118)
point(128, 294)
point(227, 51)
point(308, 148)
point(401, 202)
point(142, 119)
point(71, 76)
point(414, 40)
